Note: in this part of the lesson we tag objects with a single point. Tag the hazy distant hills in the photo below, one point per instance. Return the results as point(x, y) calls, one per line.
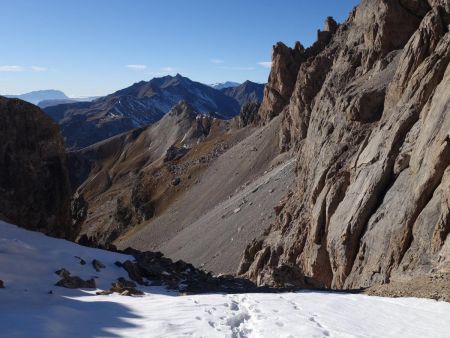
point(37, 96)
point(50, 97)
point(85, 123)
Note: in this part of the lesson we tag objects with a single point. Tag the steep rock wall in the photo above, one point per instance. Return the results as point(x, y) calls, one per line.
point(34, 184)
point(369, 120)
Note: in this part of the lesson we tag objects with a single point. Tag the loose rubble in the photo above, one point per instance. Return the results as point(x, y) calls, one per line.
point(152, 268)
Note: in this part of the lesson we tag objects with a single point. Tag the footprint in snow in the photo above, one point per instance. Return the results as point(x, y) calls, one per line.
point(312, 319)
point(234, 306)
point(261, 317)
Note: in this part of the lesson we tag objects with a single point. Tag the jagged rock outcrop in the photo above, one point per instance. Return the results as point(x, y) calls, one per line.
point(34, 183)
point(286, 63)
point(369, 119)
point(278, 90)
point(249, 114)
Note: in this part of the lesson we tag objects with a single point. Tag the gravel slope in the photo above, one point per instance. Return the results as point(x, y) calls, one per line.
point(198, 212)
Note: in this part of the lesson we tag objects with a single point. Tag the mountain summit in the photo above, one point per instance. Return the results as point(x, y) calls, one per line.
point(246, 92)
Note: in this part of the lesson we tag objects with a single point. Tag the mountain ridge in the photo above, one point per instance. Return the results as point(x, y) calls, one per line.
point(140, 104)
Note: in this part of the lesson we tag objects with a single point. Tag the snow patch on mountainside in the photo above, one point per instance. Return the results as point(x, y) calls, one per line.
point(28, 261)
point(223, 85)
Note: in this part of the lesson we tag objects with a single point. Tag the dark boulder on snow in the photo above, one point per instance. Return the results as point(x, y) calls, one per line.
point(73, 282)
point(97, 265)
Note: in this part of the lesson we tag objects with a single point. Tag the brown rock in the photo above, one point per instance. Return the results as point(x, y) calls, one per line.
point(368, 118)
point(249, 114)
point(175, 153)
point(34, 182)
point(75, 282)
point(125, 288)
point(285, 64)
point(63, 273)
point(133, 271)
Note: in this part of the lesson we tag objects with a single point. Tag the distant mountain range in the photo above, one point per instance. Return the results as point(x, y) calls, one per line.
point(145, 102)
point(49, 97)
point(223, 85)
point(37, 96)
point(85, 121)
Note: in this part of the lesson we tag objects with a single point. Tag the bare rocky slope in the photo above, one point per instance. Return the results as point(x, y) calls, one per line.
point(130, 178)
point(191, 186)
point(366, 111)
point(34, 182)
point(230, 201)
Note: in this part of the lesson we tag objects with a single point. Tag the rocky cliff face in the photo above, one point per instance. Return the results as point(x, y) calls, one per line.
point(366, 110)
point(34, 184)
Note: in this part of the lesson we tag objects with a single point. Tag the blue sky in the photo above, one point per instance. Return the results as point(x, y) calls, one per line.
point(98, 46)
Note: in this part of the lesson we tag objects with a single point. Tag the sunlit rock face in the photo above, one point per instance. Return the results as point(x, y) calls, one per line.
point(367, 113)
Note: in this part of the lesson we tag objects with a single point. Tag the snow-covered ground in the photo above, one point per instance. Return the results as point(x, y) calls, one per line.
point(27, 309)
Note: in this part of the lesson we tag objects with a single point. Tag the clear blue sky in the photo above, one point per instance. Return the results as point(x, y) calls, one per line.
point(94, 47)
